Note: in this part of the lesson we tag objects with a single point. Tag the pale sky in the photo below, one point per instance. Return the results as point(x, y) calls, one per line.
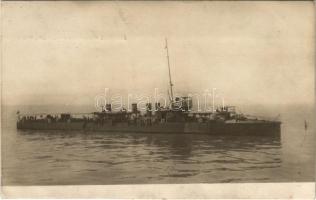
point(68, 52)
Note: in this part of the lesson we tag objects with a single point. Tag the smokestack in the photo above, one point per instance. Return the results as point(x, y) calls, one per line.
point(134, 107)
point(157, 106)
point(148, 109)
point(108, 107)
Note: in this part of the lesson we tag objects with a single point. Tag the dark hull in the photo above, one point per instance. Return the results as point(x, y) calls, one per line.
point(253, 128)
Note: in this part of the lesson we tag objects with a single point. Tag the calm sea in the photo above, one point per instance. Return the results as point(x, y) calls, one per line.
point(57, 157)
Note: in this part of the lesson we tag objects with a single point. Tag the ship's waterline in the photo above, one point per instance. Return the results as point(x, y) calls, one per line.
point(43, 157)
point(173, 119)
point(232, 129)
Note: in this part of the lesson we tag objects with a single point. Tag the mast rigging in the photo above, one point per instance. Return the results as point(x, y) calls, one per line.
point(170, 81)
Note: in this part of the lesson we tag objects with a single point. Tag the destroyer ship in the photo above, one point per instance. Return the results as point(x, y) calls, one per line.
point(176, 118)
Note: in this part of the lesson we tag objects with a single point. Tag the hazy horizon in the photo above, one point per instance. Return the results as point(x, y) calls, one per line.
point(251, 52)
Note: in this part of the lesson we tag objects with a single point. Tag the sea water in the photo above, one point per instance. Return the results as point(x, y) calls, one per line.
point(83, 158)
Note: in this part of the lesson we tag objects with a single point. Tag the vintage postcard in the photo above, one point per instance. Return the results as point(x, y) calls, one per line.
point(158, 99)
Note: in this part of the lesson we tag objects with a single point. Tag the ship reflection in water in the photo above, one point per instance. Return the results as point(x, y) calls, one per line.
point(123, 158)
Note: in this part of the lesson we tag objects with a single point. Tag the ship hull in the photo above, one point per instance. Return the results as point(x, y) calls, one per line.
point(253, 128)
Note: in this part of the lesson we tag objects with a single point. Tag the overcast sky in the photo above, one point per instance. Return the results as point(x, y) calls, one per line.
point(68, 52)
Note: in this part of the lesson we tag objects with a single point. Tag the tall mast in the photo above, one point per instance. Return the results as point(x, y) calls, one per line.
point(170, 82)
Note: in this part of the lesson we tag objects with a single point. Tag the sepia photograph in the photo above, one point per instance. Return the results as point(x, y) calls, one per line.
point(157, 92)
